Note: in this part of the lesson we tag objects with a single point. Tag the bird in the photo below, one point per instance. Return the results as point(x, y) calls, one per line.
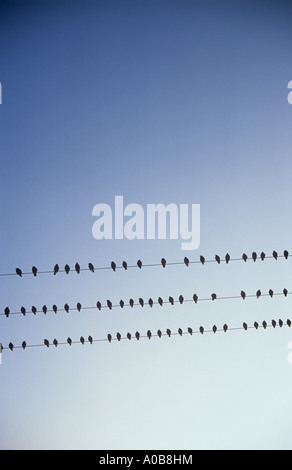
point(289, 323)
point(98, 304)
point(119, 336)
point(245, 257)
point(129, 336)
point(160, 301)
point(109, 337)
point(181, 299)
point(34, 271)
point(285, 292)
point(159, 333)
point(7, 311)
point(33, 309)
point(91, 267)
point(23, 311)
point(254, 256)
point(225, 328)
point(46, 343)
point(214, 296)
point(56, 269)
point(69, 341)
point(45, 309)
point(180, 331)
point(23, 344)
point(55, 342)
point(271, 292)
point(109, 304)
point(258, 294)
point(281, 323)
point(275, 255)
point(256, 325)
point(263, 256)
point(186, 261)
point(227, 258)
point(66, 308)
point(141, 302)
point(149, 334)
point(202, 330)
point(11, 346)
point(125, 265)
point(122, 303)
point(55, 308)
point(90, 339)
point(171, 300)
point(274, 323)
point(244, 326)
point(214, 329)
point(139, 264)
point(286, 254)
point(218, 259)
point(67, 268)
point(265, 324)
point(202, 259)
point(77, 268)
point(150, 302)
point(78, 306)
point(163, 262)
point(82, 340)
point(190, 330)
point(113, 266)
point(18, 272)
point(137, 334)
point(195, 298)
point(243, 294)
point(131, 302)
point(168, 332)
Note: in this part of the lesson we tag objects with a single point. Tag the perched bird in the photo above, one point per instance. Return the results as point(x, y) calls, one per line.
point(254, 256)
point(227, 258)
point(180, 331)
point(163, 262)
point(275, 255)
point(66, 308)
point(149, 334)
point(131, 302)
point(160, 301)
point(186, 261)
point(129, 336)
point(45, 309)
point(55, 308)
point(271, 292)
point(171, 300)
point(137, 334)
point(10, 345)
point(125, 265)
point(245, 257)
point(196, 298)
point(33, 309)
point(225, 328)
point(286, 254)
point(256, 325)
point(23, 311)
point(139, 264)
point(34, 271)
point(77, 268)
point(285, 292)
point(214, 296)
point(150, 302)
point(7, 311)
point(23, 344)
point(82, 340)
point(18, 272)
point(190, 330)
point(202, 259)
point(218, 259)
point(90, 339)
point(69, 341)
point(214, 328)
point(281, 323)
point(263, 256)
point(55, 342)
point(202, 330)
point(258, 294)
point(56, 269)
point(78, 306)
point(109, 337)
point(98, 304)
point(289, 323)
point(274, 323)
point(109, 304)
point(67, 268)
point(181, 299)
point(122, 303)
point(91, 267)
point(46, 343)
point(168, 332)
point(243, 294)
point(113, 266)
point(265, 324)
point(159, 333)
point(244, 326)
point(119, 336)
point(141, 302)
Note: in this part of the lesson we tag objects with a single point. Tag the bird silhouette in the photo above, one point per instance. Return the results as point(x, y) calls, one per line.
point(275, 255)
point(55, 342)
point(225, 328)
point(171, 300)
point(254, 256)
point(23, 311)
point(214, 328)
point(202, 330)
point(34, 271)
point(55, 308)
point(218, 259)
point(214, 296)
point(190, 330)
point(289, 323)
point(163, 262)
point(56, 269)
point(265, 324)
point(274, 323)
point(33, 309)
point(77, 268)
point(195, 298)
point(125, 265)
point(82, 340)
point(245, 257)
point(109, 304)
point(258, 294)
point(119, 336)
point(131, 302)
point(78, 306)
point(98, 304)
point(11, 347)
point(91, 267)
point(7, 311)
point(256, 325)
point(66, 308)
point(286, 254)
point(69, 341)
point(122, 303)
point(271, 293)
point(45, 309)
point(46, 343)
point(244, 326)
point(139, 264)
point(141, 302)
point(109, 337)
point(168, 332)
point(150, 302)
point(285, 292)
point(202, 259)
point(159, 333)
point(129, 336)
point(186, 261)
point(137, 334)
point(227, 258)
point(243, 295)
point(149, 334)
point(181, 299)
point(281, 323)
point(263, 256)
point(113, 266)
point(23, 344)
point(90, 339)
point(160, 301)
point(180, 331)
point(67, 268)
point(18, 272)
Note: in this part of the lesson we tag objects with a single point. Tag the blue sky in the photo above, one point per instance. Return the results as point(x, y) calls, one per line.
point(179, 102)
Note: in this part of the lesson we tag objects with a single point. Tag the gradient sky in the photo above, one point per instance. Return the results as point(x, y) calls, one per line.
point(179, 102)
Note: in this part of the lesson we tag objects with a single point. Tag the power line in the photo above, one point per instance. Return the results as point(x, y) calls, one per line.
point(164, 263)
point(171, 301)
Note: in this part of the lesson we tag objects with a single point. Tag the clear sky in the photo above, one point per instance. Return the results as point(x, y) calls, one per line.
point(179, 102)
